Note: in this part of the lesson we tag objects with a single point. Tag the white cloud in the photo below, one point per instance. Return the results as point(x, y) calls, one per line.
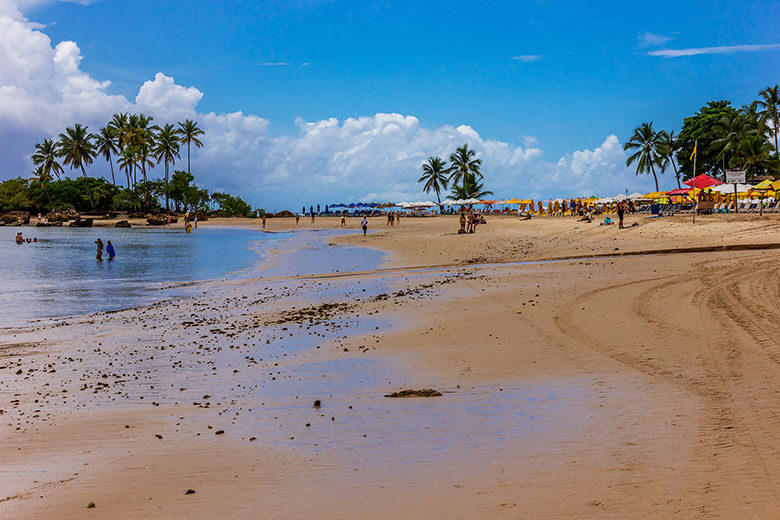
point(166, 99)
point(375, 157)
point(648, 39)
point(727, 49)
point(527, 58)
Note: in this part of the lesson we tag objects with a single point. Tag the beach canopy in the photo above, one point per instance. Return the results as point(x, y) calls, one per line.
point(513, 201)
point(764, 185)
point(729, 188)
point(635, 195)
point(702, 181)
point(679, 191)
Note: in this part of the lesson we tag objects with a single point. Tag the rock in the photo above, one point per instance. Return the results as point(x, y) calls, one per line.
point(90, 505)
point(14, 217)
point(158, 435)
point(81, 222)
point(190, 492)
point(122, 224)
point(425, 392)
point(219, 432)
point(317, 403)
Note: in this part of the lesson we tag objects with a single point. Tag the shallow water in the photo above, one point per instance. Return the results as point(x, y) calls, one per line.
point(59, 275)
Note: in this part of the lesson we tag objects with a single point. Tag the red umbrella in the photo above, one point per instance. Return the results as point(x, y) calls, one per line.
point(679, 191)
point(702, 181)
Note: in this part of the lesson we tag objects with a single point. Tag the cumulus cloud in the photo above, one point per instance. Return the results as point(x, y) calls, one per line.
point(373, 157)
point(164, 97)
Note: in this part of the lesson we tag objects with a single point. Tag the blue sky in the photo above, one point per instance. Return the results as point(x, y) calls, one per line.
point(564, 74)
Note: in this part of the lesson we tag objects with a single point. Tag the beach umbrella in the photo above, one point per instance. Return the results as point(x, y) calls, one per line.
point(702, 181)
point(635, 195)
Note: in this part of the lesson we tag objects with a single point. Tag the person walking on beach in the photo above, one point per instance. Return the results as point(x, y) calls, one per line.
point(364, 225)
point(196, 221)
point(462, 229)
point(343, 221)
point(297, 218)
point(110, 250)
point(99, 254)
point(621, 209)
point(397, 216)
point(263, 218)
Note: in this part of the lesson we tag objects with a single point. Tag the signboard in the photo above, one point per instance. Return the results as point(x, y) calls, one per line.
point(735, 177)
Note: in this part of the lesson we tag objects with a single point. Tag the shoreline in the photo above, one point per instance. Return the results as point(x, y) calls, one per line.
point(567, 392)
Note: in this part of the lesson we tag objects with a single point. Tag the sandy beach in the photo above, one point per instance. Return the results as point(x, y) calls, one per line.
point(585, 372)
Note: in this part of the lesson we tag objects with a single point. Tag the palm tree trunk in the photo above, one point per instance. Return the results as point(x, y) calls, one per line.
point(166, 186)
point(110, 162)
point(777, 150)
point(676, 174)
point(652, 168)
point(188, 157)
point(86, 186)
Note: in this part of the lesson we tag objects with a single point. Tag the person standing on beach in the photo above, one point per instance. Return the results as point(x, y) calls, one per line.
point(462, 223)
point(621, 209)
point(264, 217)
point(196, 221)
point(297, 218)
point(99, 255)
point(343, 221)
point(364, 225)
point(110, 250)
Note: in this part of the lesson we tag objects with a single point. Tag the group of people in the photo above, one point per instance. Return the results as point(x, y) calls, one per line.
point(109, 249)
point(21, 240)
point(469, 221)
point(393, 217)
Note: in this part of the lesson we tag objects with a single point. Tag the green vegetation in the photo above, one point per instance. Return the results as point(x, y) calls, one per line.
point(727, 138)
point(464, 169)
point(137, 145)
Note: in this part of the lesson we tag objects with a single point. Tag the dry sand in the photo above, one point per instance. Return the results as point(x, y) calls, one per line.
point(616, 387)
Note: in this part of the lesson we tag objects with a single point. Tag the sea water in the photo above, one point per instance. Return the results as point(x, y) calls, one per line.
point(60, 276)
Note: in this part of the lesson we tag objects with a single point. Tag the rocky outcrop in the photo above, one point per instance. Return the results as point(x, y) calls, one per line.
point(63, 215)
point(81, 222)
point(14, 217)
point(122, 224)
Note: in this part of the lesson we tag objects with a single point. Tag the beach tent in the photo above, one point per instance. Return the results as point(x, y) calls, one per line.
point(703, 181)
point(620, 198)
point(635, 195)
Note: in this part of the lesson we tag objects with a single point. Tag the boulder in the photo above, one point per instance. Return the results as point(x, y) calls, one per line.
point(81, 222)
point(122, 224)
point(14, 217)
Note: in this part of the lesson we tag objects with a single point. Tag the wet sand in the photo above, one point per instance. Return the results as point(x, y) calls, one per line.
point(622, 387)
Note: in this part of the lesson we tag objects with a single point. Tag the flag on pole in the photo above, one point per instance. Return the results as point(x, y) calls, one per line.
point(693, 153)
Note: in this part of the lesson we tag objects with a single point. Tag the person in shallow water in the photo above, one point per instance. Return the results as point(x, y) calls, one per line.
point(110, 250)
point(19, 238)
point(99, 255)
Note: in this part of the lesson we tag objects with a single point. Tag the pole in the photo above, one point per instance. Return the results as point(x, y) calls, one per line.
point(736, 206)
point(695, 156)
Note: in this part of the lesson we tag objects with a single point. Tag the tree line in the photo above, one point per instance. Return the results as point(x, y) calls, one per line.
point(463, 172)
point(728, 138)
point(137, 145)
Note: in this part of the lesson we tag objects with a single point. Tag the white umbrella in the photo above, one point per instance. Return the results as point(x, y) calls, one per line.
point(619, 198)
point(729, 188)
point(471, 201)
point(635, 195)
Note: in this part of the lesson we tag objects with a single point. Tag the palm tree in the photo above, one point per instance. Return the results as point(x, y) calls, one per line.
point(463, 164)
point(40, 174)
point(105, 145)
point(756, 153)
point(77, 150)
point(668, 148)
point(189, 132)
point(46, 155)
point(735, 129)
point(126, 162)
point(144, 156)
point(167, 151)
point(470, 189)
point(769, 103)
point(434, 176)
point(647, 142)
